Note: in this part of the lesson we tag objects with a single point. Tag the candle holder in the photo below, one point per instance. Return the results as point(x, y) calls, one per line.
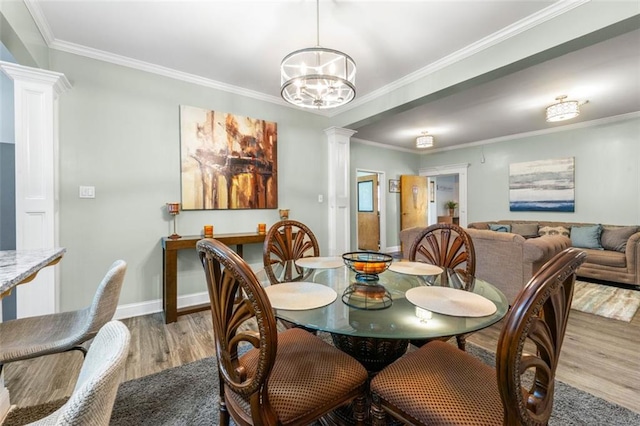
point(174, 210)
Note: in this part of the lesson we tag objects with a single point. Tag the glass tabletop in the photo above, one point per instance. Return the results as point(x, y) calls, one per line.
point(400, 320)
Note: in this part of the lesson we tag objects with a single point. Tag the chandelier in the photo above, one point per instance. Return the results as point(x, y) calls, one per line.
point(563, 110)
point(317, 77)
point(424, 141)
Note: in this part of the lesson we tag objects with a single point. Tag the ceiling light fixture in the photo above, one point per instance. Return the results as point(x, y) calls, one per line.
point(563, 110)
point(316, 77)
point(424, 141)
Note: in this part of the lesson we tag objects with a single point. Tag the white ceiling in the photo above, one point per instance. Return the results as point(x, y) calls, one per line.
point(238, 45)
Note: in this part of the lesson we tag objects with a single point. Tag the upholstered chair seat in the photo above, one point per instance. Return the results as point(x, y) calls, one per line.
point(439, 384)
point(308, 376)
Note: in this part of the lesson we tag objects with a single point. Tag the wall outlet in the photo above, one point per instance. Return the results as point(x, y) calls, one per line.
point(87, 192)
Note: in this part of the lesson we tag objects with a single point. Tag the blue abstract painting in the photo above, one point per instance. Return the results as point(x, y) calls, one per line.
point(544, 185)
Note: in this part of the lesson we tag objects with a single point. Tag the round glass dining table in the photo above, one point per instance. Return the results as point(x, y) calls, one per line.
point(379, 335)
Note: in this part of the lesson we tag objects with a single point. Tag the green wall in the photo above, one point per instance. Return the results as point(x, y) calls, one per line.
point(393, 163)
point(607, 172)
point(119, 132)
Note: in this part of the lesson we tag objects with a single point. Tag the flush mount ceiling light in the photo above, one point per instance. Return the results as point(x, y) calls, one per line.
point(424, 141)
point(317, 77)
point(563, 110)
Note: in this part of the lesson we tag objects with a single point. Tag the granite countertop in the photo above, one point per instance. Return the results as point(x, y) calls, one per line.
point(17, 265)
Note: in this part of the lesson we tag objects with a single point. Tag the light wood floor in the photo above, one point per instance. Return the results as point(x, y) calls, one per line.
point(600, 356)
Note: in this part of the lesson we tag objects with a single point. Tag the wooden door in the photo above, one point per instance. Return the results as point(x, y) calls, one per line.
point(413, 201)
point(368, 213)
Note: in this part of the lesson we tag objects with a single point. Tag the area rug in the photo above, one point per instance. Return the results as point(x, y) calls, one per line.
point(605, 301)
point(188, 395)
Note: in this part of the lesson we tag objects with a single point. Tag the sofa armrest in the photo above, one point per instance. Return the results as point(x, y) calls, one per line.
point(542, 249)
point(633, 255)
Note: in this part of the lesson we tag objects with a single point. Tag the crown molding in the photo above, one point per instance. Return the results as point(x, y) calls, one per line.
point(38, 16)
point(540, 17)
point(565, 128)
point(531, 21)
point(384, 146)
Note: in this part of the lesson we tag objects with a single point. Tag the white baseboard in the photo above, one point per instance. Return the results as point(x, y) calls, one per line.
point(153, 306)
point(393, 249)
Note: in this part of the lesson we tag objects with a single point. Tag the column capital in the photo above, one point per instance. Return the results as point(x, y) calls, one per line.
point(54, 79)
point(339, 131)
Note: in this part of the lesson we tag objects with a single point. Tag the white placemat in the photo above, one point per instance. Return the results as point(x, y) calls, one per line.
point(300, 295)
point(415, 268)
point(451, 301)
point(320, 262)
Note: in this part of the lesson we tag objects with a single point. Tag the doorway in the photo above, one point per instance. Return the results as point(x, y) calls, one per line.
point(370, 210)
point(456, 172)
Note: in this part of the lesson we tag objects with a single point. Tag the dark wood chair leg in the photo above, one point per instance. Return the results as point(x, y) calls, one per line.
point(378, 415)
point(462, 342)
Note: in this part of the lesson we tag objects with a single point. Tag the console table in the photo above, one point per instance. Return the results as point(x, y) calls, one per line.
point(170, 249)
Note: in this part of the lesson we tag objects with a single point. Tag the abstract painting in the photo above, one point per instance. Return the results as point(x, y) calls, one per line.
point(227, 161)
point(544, 185)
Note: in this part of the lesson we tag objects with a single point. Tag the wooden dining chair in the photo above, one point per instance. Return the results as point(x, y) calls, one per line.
point(449, 246)
point(440, 385)
point(285, 242)
point(287, 378)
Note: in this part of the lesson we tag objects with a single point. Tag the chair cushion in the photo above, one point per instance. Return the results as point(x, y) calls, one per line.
point(500, 227)
point(308, 375)
point(616, 238)
point(611, 258)
point(525, 229)
point(586, 236)
point(439, 384)
point(554, 230)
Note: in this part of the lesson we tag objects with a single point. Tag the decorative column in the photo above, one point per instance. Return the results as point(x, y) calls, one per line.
point(338, 190)
point(36, 94)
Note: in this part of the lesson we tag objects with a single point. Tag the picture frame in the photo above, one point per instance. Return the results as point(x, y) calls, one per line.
point(542, 185)
point(227, 161)
point(394, 185)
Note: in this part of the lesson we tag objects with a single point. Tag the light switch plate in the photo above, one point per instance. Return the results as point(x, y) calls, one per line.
point(87, 192)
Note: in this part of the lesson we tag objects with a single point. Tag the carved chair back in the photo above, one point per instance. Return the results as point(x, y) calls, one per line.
point(446, 245)
point(538, 317)
point(237, 296)
point(287, 241)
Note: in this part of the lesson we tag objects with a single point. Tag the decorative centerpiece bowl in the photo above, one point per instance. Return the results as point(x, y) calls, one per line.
point(366, 292)
point(367, 264)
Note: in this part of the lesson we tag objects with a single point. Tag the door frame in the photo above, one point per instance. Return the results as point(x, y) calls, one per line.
point(382, 205)
point(459, 169)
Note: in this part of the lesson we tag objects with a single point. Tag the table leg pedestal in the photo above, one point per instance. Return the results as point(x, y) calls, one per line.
point(374, 354)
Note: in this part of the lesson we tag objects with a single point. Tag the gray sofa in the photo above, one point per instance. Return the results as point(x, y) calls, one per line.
point(618, 260)
point(504, 259)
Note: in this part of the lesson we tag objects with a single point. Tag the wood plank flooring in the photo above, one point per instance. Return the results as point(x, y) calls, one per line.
point(600, 356)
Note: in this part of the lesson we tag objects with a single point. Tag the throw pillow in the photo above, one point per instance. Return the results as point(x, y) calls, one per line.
point(616, 238)
point(586, 236)
point(499, 227)
point(525, 229)
point(554, 230)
